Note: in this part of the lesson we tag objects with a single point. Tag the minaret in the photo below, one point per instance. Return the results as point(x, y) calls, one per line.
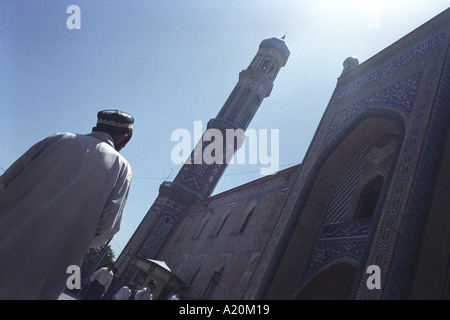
point(255, 83)
point(197, 179)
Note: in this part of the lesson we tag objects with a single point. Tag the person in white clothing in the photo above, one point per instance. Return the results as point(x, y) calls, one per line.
point(124, 293)
point(100, 282)
point(64, 195)
point(146, 293)
point(180, 295)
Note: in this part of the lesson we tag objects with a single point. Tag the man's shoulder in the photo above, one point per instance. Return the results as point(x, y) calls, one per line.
point(68, 136)
point(54, 139)
point(64, 134)
point(61, 135)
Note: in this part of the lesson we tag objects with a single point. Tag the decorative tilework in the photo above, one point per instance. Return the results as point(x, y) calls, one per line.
point(353, 229)
point(393, 65)
point(401, 95)
point(391, 225)
point(415, 68)
point(334, 242)
point(401, 271)
point(326, 252)
point(137, 239)
point(158, 234)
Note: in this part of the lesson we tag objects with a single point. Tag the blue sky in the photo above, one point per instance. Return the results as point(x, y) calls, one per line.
point(170, 63)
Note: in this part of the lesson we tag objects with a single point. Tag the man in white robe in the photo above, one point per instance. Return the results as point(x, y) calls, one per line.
point(124, 293)
point(146, 293)
point(64, 195)
point(100, 282)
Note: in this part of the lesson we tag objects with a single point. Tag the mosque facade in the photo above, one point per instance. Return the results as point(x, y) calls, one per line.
point(365, 216)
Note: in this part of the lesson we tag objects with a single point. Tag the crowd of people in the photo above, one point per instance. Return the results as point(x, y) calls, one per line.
point(99, 287)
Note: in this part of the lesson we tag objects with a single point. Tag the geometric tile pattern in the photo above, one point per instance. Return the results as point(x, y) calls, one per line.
point(411, 192)
point(399, 83)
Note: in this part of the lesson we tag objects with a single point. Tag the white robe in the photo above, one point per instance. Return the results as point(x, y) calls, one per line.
point(123, 294)
point(64, 195)
point(144, 294)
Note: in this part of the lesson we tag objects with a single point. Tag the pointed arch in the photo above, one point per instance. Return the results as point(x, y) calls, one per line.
point(245, 216)
point(221, 222)
point(320, 173)
point(202, 225)
point(368, 197)
point(334, 282)
point(215, 279)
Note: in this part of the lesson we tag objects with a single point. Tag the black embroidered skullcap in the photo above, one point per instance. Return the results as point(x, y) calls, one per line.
point(116, 120)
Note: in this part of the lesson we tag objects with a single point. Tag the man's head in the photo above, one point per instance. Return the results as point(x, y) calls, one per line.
point(118, 124)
